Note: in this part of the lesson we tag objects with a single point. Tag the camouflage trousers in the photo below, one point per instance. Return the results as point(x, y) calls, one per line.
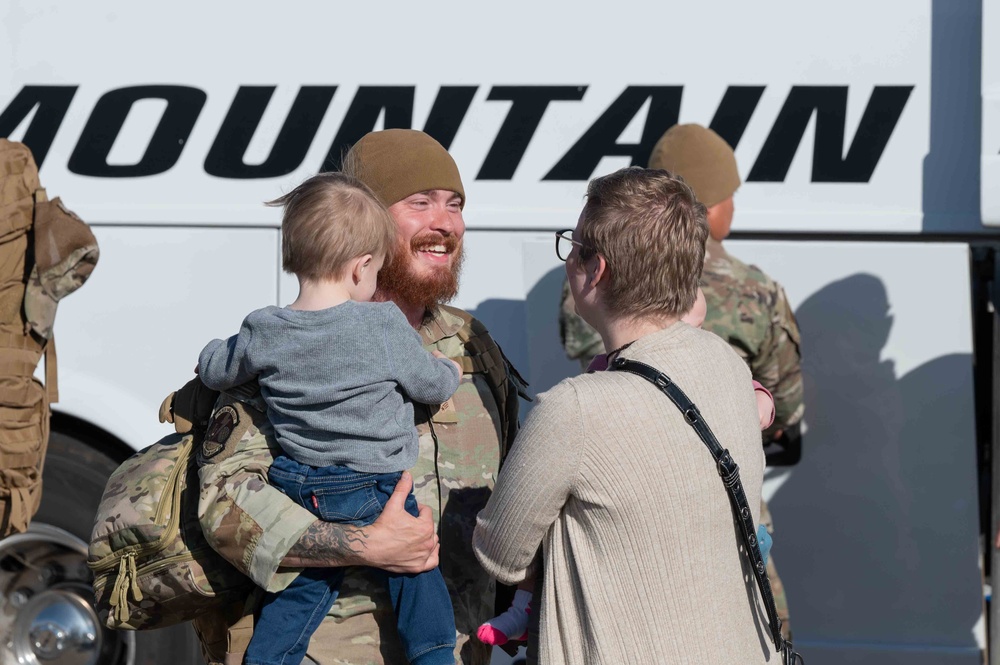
point(358, 641)
point(354, 641)
point(780, 600)
point(777, 588)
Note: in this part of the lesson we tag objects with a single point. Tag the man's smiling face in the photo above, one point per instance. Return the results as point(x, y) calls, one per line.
point(428, 259)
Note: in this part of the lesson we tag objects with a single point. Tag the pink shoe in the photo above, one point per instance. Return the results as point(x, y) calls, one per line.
point(512, 622)
point(493, 636)
point(487, 634)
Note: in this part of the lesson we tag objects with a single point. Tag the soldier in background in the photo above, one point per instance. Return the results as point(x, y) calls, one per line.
point(46, 253)
point(580, 341)
point(745, 307)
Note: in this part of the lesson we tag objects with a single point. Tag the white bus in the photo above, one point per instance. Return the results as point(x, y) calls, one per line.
point(867, 135)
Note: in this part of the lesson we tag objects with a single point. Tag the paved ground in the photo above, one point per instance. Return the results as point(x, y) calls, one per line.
point(501, 658)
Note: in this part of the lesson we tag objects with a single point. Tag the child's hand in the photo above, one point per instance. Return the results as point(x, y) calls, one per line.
point(765, 409)
point(765, 405)
point(438, 354)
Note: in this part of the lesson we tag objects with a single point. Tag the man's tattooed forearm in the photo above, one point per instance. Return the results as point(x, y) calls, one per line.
point(329, 544)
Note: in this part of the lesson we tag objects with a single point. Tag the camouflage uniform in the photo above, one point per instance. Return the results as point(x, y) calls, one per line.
point(460, 447)
point(580, 341)
point(750, 311)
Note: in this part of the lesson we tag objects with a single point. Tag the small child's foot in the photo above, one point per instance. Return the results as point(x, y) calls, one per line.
point(488, 634)
point(512, 624)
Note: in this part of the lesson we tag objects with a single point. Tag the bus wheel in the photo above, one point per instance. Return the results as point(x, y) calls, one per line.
point(46, 600)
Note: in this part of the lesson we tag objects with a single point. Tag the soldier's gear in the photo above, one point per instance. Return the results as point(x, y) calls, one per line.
point(396, 163)
point(152, 565)
point(46, 252)
point(785, 449)
point(484, 356)
point(702, 158)
point(189, 408)
point(65, 254)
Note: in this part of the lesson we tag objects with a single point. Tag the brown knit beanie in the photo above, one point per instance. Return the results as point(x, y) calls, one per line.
point(702, 158)
point(396, 163)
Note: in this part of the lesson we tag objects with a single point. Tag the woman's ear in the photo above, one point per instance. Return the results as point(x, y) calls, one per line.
point(359, 266)
point(597, 269)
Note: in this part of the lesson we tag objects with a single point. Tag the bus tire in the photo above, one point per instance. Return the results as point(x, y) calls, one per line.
point(74, 478)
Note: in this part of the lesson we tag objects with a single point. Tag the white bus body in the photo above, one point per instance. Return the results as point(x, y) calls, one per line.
point(859, 132)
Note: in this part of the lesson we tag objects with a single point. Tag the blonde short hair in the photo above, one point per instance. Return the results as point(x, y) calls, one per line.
point(651, 231)
point(328, 220)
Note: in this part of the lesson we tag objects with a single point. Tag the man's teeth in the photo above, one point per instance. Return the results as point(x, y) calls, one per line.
point(435, 249)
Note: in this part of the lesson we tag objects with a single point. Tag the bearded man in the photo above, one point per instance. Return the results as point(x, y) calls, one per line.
point(262, 533)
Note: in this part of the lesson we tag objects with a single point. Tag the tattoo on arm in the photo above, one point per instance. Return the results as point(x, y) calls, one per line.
point(328, 544)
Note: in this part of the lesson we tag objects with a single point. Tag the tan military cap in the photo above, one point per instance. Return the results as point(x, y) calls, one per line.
point(396, 163)
point(702, 158)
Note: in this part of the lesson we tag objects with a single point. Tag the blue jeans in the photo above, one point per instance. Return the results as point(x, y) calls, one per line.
point(288, 618)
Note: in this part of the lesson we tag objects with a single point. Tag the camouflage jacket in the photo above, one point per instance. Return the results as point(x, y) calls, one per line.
point(746, 308)
point(580, 341)
point(253, 525)
point(749, 310)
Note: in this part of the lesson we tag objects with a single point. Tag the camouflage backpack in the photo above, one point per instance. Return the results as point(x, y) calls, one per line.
point(46, 253)
point(152, 565)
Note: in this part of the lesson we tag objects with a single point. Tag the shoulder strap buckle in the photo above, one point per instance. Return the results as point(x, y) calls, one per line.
point(727, 465)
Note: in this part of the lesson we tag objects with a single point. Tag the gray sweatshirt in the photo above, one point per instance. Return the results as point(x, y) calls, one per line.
point(338, 382)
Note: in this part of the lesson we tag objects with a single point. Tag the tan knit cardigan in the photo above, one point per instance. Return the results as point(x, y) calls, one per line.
point(641, 558)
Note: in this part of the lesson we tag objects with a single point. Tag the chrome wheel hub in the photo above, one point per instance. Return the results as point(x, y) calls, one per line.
point(46, 604)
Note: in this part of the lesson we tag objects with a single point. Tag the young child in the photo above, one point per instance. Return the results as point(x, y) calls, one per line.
point(513, 624)
point(338, 374)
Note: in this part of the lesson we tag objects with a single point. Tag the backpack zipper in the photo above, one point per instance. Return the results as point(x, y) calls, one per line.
point(169, 530)
point(128, 576)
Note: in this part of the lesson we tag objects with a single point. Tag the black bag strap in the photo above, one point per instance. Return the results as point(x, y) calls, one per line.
point(729, 471)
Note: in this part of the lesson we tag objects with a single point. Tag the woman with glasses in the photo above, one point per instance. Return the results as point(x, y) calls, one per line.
point(640, 559)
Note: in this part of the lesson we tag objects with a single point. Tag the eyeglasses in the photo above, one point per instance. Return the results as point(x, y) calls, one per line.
point(565, 242)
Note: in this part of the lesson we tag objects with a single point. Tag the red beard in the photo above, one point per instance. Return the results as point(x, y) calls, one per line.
point(400, 282)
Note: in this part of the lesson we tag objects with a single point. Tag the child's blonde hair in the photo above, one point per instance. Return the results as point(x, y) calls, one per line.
point(328, 220)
